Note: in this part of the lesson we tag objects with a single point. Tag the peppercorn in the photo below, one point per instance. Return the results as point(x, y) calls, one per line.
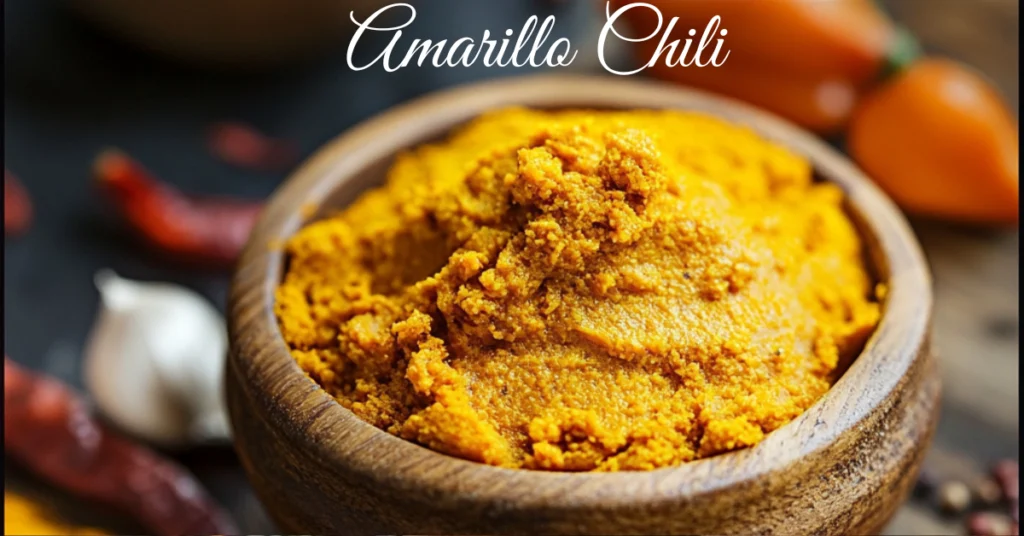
point(986, 491)
point(926, 484)
point(989, 524)
point(1006, 472)
point(954, 497)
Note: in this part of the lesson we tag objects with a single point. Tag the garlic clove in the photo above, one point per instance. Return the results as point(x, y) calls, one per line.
point(155, 362)
point(122, 379)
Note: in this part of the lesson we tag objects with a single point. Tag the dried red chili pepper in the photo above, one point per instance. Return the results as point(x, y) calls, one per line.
point(206, 230)
point(17, 206)
point(244, 146)
point(50, 430)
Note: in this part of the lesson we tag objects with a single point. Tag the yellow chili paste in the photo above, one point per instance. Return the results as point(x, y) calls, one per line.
point(582, 291)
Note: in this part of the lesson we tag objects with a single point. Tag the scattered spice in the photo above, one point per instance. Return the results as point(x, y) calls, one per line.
point(1006, 473)
point(308, 210)
point(244, 146)
point(991, 500)
point(987, 492)
point(954, 497)
point(926, 485)
point(23, 515)
point(991, 524)
point(276, 245)
point(50, 430)
point(203, 230)
point(17, 206)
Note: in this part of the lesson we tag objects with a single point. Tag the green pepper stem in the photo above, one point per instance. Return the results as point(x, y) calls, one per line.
point(905, 49)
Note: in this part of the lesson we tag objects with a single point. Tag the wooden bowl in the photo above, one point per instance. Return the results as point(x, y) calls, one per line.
point(843, 467)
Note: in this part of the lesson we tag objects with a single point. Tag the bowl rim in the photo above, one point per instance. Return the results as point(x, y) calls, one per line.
point(297, 407)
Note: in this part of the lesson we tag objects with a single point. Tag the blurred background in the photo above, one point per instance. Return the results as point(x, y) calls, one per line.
point(152, 78)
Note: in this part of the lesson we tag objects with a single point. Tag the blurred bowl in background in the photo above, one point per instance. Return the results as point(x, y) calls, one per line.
point(228, 33)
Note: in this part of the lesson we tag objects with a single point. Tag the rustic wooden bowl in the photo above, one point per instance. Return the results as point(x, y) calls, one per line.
point(843, 467)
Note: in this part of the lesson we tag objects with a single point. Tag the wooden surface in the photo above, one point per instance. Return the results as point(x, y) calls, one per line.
point(975, 276)
point(842, 467)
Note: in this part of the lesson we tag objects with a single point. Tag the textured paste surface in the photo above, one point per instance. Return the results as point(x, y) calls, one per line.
point(582, 291)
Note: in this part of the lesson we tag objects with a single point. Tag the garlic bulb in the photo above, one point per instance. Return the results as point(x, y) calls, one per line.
point(155, 362)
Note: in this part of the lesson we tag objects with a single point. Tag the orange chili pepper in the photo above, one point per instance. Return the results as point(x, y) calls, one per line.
point(815, 102)
point(209, 231)
point(939, 139)
point(17, 206)
point(801, 59)
point(850, 39)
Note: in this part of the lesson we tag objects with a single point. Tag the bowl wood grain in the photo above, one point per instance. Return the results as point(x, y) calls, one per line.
point(842, 467)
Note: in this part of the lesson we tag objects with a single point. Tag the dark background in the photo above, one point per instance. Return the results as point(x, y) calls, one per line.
point(70, 91)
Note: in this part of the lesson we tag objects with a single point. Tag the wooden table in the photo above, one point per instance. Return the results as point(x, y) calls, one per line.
point(975, 274)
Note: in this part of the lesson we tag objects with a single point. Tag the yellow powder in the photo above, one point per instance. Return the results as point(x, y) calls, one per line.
point(24, 517)
point(582, 291)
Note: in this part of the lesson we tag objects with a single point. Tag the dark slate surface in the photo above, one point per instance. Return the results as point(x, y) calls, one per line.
point(70, 92)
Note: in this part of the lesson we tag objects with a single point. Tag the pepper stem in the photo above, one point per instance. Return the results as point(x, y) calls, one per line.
point(905, 49)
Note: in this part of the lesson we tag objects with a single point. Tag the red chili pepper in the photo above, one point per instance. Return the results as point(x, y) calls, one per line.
point(210, 231)
point(50, 430)
point(17, 206)
point(244, 146)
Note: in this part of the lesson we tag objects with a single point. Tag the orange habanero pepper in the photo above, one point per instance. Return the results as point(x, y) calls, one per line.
point(818, 103)
point(939, 139)
point(802, 59)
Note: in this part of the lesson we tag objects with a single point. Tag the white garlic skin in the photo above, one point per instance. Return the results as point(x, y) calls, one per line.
point(155, 362)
